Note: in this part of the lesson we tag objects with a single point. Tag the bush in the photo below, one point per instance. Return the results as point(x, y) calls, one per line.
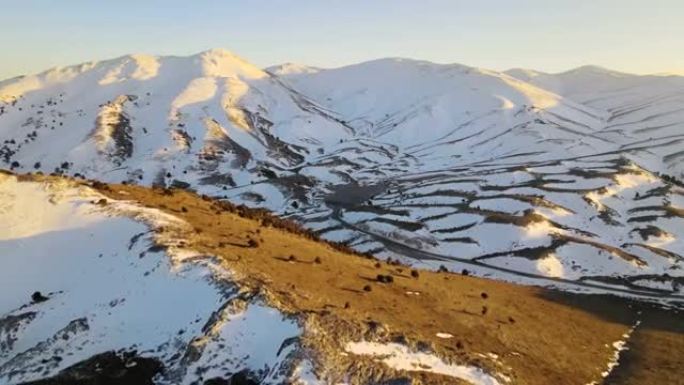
point(38, 297)
point(269, 220)
point(252, 243)
point(384, 278)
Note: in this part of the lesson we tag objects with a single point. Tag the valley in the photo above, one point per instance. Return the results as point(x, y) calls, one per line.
point(282, 306)
point(393, 221)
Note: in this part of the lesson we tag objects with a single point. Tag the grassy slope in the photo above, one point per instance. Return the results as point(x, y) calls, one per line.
point(540, 336)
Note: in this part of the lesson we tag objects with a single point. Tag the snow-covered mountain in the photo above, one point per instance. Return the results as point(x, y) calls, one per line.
point(568, 179)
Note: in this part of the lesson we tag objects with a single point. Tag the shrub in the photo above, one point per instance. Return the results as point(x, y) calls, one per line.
point(252, 243)
point(38, 297)
point(384, 278)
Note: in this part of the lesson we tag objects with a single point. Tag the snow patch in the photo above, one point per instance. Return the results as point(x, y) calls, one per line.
point(619, 346)
point(108, 288)
point(550, 266)
point(400, 357)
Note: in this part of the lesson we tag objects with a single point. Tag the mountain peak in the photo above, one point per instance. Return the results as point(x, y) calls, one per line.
point(523, 73)
point(285, 69)
point(591, 69)
point(221, 62)
point(218, 51)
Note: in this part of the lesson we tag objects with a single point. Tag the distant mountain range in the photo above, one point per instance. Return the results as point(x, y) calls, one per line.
point(571, 179)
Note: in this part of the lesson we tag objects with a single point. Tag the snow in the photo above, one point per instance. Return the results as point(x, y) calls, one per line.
point(304, 374)
point(249, 339)
point(619, 346)
point(451, 143)
point(291, 69)
point(198, 90)
point(108, 291)
point(550, 266)
point(223, 63)
point(400, 357)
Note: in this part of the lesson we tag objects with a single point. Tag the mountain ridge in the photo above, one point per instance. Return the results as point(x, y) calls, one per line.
point(429, 158)
point(229, 53)
point(197, 290)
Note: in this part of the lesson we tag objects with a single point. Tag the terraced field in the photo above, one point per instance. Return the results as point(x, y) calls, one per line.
point(112, 283)
point(571, 180)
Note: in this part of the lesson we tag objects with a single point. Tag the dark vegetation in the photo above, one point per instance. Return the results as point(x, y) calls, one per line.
point(108, 368)
point(266, 218)
point(38, 297)
point(670, 179)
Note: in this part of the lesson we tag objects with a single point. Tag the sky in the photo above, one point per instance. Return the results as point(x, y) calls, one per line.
point(547, 35)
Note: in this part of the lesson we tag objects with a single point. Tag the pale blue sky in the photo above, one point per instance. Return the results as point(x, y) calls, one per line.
point(549, 35)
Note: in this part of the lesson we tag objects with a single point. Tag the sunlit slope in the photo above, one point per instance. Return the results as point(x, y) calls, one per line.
point(271, 302)
point(569, 179)
point(643, 114)
point(82, 277)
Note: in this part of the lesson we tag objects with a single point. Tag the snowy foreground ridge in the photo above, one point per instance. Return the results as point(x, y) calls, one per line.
point(572, 179)
point(105, 287)
point(108, 290)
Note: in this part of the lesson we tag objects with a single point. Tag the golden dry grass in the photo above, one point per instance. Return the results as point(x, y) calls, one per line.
point(541, 337)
